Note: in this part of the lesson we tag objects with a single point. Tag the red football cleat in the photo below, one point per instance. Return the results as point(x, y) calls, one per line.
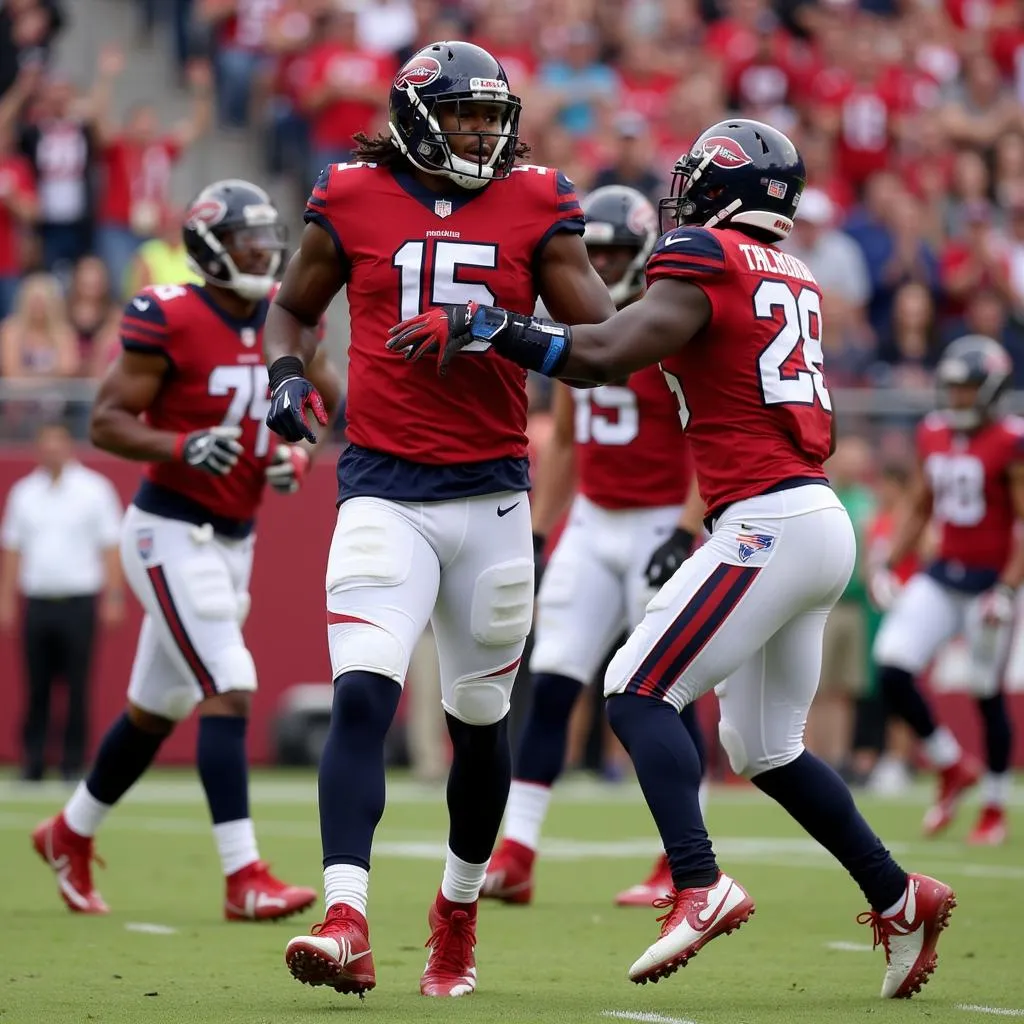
point(954, 781)
point(254, 894)
point(510, 873)
point(991, 827)
point(70, 855)
point(336, 953)
point(451, 964)
point(695, 917)
point(910, 936)
point(657, 886)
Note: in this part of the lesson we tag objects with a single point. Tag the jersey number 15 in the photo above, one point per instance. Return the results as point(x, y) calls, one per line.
point(429, 276)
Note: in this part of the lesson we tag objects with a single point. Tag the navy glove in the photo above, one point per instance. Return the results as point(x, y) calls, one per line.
point(290, 396)
point(531, 342)
point(667, 557)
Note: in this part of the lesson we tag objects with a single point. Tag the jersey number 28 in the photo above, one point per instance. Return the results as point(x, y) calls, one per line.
point(429, 275)
point(789, 367)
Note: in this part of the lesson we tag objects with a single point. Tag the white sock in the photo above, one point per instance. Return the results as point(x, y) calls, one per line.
point(348, 884)
point(462, 881)
point(525, 813)
point(995, 789)
point(236, 844)
point(897, 906)
point(702, 796)
point(942, 748)
point(83, 812)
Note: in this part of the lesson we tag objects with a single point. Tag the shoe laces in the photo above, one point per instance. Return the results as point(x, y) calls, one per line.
point(336, 914)
point(880, 930)
point(451, 943)
point(672, 901)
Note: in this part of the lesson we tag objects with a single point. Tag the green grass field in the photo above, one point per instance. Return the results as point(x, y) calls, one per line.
point(165, 954)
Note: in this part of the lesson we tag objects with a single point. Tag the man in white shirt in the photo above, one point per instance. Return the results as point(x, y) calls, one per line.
point(60, 538)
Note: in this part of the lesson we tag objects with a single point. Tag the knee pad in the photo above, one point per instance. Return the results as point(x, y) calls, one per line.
point(734, 747)
point(502, 608)
point(364, 647)
point(372, 546)
point(175, 703)
point(481, 699)
point(208, 588)
point(234, 669)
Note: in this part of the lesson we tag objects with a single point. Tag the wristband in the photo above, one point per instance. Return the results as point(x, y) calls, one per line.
point(529, 341)
point(284, 368)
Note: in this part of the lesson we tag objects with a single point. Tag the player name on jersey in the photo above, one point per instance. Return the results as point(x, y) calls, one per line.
point(773, 261)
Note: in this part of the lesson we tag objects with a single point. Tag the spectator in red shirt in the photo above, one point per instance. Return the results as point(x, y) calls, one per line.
point(976, 261)
point(241, 29)
point(345, 93)
point(137, 165)
point(18, 209)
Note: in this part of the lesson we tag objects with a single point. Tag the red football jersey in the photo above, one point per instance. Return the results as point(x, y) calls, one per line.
point(215, 376)
point(407, 249)
point(752, 398)
point(971, 500)
point(626, 436)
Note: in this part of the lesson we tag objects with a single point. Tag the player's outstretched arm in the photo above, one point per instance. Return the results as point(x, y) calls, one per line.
point(129, 388)
point(912, 521)
point(315, 274)
point(671, 313)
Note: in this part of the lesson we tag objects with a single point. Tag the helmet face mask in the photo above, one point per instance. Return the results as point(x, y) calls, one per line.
point(234, 238)
point(443, 90)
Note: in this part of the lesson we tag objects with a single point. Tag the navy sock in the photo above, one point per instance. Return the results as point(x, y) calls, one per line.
point(818, 799)
point(351, 782)
point(688, 716)
point(998, 733)
point(541, 754)
point(669, 772)
point(903, 698)
point(478, 785)
point(125, 753)
point(223, 767)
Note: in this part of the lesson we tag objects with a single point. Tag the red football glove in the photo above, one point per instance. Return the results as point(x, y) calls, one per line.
point(442, 330)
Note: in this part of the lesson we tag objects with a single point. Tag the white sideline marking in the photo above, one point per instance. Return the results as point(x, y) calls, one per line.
point(647, 1018)
point(150, 929)
point(996, 1010)
point(850, 947)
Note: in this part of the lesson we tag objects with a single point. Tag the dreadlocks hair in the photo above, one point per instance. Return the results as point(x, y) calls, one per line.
point(382, 151)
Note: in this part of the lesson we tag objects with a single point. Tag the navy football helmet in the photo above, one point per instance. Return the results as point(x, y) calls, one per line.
point(974, 361)
point(621, 216)
point(741, 174)
point(450, 73)
point(234, 238)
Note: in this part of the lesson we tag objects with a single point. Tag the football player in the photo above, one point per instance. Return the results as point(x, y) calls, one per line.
point(624, 538)
point(736, 326)
point(433, 521)
point(970, 482)
point(189, 395)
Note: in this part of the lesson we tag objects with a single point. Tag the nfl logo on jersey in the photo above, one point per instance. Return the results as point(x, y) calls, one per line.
point(443, 208)
point(750, 543)
point(144, 541)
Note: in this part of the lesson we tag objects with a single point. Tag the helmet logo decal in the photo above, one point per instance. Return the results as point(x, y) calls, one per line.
point(206, 211)
point(420, 71)
point(726, 153)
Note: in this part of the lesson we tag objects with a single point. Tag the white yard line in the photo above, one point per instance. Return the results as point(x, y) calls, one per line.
point(150, 929)
point(646, 1018)
point(996, 1011)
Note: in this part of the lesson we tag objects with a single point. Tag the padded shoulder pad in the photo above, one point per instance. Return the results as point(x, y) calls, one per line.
point(688, 252)
point(144, 323)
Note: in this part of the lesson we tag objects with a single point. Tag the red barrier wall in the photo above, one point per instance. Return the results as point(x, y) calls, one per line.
point(286, 627)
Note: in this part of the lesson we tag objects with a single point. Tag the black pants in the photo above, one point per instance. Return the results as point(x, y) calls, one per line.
point(58, 642)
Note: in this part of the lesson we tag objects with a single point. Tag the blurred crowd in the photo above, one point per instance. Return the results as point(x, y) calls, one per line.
point(910, 115)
